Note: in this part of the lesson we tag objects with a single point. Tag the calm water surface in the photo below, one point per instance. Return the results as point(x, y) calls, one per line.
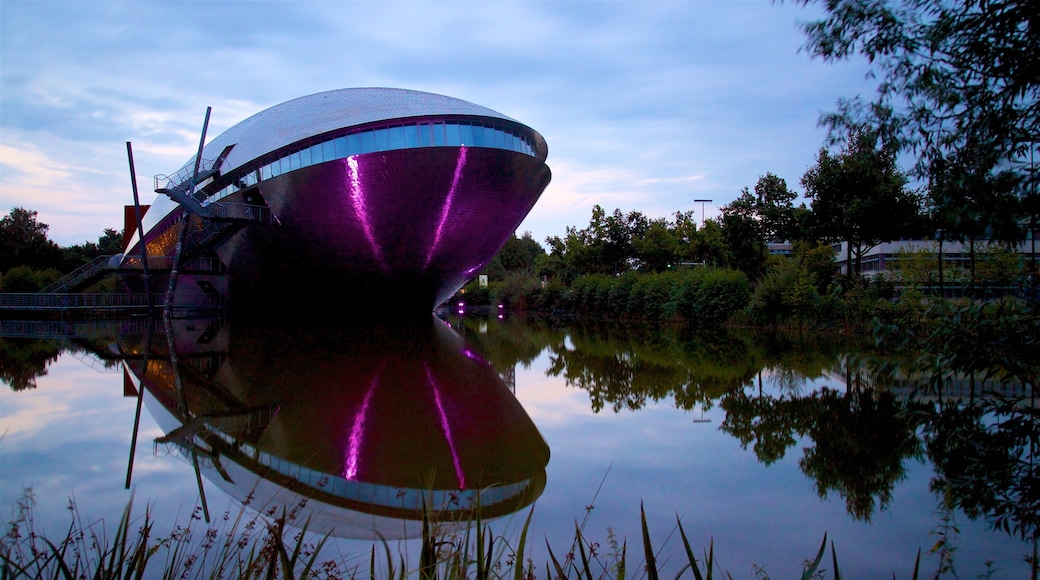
point(756, 443)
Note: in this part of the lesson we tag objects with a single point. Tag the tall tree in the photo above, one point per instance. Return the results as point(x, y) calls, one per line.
point(859, 196)
point(956, 76)
point(776, 211)
point(24, 242)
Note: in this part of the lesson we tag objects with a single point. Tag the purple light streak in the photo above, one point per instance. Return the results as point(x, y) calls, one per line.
point(446, 427)
point(357, 200)
point(357, 431)
point(460, 163)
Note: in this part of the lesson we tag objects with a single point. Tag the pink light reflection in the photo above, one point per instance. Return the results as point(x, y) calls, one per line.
point(357, 200)
point(460, 163)
point(357, 431)
point(446, 427)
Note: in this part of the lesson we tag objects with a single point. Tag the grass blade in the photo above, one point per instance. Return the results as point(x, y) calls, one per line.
point(689, 552)
point(556, 563)
point(648, 549)
point(518, 571)
point(834, 559)
point(584, 556)
point(810, 570)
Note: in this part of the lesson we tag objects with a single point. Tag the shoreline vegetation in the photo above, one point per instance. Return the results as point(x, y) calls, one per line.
point(274, 543)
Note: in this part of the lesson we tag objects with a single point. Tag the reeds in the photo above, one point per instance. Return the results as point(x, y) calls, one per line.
point(274, 545)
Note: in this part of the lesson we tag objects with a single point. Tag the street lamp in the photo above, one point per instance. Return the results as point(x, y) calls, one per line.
point(702, 202)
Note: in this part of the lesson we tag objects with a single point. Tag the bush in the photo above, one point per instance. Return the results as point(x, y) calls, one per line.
point(710, 296)
point(787, 292)
point(26, 279)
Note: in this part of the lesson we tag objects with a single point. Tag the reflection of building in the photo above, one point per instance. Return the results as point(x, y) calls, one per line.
point(382, 197)
point(365, 424)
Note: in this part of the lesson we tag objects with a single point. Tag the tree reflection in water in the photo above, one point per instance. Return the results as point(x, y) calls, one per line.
point(857, 438)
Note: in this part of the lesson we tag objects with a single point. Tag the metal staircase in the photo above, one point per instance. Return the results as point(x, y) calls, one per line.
point(182, 187)
point(82, 277)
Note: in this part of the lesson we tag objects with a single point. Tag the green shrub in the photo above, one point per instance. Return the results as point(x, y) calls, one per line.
point(787, 292)
point(27, 279)
point(710, 296)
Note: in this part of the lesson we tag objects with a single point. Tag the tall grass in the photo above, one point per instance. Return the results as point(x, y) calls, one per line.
point(274, 544)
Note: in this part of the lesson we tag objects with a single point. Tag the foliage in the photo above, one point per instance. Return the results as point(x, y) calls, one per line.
point(710, 296)
point(984, 444)
point(24, 242)
point(473, 294)
point(519, 291)
point(859, 196)
point(27, 279)
point(859, 439)
point(818, 260)
point(788, 291)
point(29, 260)
point(279, 551)
point(22, 361)
point(518, 254)
point(958, 88)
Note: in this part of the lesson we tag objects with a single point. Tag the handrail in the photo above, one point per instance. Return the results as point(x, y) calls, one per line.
point(183, 175)
point(79, 274)
point(93, 301)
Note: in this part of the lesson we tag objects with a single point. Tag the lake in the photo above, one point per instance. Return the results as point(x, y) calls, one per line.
point(758, 443)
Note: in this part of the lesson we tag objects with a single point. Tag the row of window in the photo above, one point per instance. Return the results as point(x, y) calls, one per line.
point(431, 134)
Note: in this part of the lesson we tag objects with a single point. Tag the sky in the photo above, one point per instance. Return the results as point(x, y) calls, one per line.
point(645, 106)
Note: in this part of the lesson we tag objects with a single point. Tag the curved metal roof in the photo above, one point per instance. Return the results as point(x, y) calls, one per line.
point(291, 121)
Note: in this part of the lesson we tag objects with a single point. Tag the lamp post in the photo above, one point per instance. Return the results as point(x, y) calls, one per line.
point(702, 202)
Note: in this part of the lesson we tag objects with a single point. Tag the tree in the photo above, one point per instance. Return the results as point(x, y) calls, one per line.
point(970, 198)
point(516, 255)
point(775, 208)
point(658, 248)
point(747, 248)
point(957, 77)
point(859, 196)
point(24, 242)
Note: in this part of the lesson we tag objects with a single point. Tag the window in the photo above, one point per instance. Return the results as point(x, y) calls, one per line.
point(368, 142)
point(396, 137)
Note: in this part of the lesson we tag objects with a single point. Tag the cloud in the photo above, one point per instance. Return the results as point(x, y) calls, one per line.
point(645, 105)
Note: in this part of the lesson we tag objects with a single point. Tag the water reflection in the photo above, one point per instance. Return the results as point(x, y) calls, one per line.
point(360, 426)
point(858, 419)
point(343, 417)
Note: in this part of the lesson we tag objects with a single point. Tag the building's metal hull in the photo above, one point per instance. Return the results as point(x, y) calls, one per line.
point(394, 231)
point(368, 430)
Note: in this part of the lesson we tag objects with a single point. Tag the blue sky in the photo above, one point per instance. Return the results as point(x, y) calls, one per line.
point(645, 105)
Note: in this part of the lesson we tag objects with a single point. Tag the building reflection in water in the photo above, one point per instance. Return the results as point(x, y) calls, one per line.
point(360, 426)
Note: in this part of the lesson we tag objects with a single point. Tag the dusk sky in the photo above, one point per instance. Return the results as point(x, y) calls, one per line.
point(645, 105)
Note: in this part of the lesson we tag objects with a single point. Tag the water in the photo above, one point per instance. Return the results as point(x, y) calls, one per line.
point(733, 434)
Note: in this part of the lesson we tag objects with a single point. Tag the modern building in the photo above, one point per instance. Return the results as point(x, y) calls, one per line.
point(368, 199)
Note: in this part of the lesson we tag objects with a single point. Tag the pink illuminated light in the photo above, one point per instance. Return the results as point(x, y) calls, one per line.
point(446, 428)
point(357, 431)
point(460, 163)
point(357, 200)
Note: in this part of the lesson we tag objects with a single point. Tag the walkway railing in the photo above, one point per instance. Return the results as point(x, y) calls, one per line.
point(97, 302)
point(76, 328)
